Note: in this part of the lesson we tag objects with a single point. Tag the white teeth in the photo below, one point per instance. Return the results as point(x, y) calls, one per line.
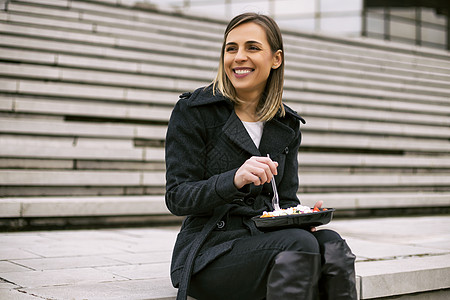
point(242, 71)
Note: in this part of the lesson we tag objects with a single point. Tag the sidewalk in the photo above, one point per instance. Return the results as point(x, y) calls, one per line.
point(395, 256)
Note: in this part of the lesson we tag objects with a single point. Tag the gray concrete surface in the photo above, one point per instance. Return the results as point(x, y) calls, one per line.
point(407, 256)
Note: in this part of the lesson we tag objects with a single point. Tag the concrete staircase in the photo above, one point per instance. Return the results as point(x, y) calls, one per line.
point(87, 87)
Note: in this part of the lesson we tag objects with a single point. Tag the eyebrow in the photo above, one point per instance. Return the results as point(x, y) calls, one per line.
point(247, 42)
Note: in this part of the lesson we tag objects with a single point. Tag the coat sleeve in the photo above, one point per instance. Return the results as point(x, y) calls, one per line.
point(188, 191)
point(288, 186)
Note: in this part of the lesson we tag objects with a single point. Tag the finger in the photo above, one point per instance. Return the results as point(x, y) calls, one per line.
point(255, 179)
point(273, 165)
point(253, 172)
point(260, 169)
point(261, 173)
point(313, 229)
point(318, 204)
point(245, 176)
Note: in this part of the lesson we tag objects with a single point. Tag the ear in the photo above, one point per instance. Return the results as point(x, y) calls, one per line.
point(277, 59)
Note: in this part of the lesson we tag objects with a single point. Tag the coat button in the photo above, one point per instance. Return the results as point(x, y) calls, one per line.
point(286, 150)
point(250, 201)
point(220, 225)
point(185, 95)
point(239, 201)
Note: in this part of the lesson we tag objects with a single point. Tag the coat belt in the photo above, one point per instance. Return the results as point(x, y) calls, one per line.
point(219, 213)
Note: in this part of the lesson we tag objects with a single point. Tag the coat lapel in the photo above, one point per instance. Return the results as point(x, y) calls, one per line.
point(236, 132)
point(276, 137)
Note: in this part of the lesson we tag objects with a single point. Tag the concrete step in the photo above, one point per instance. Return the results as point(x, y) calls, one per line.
point(68, 178)
point(313, 135)
point(170, 21)
point(313, 105)
point(294, 70)
point(152, 205)
point(97, 80)
point(153, 44)
point(146, 178)
point(374, 52)
point(375, 128)
point(411, 275)
point(134, 31)
point(368, 89)
point(149, 160)
point(147, 35)
point(377, 200)
point(157, 133)
point(372, 160)
point(100, 154)
point(85, 129)
point(335, 69)
point(143, 81)
point(386, 180)
point(68, 107)
point(368, 114)
point(89, 92)
point(298, 79)
point(367, 101)
point(305, 103)
point(195, 24)
point(141, 19)
point(312, 60)
point(102, 61)
point(83, 206)
point(124, 151)
point(97, 39)
point(67, 47)
point(162, 114)
point(406, 258)
point(339, 141)
point(137, 112)
point(56, 57)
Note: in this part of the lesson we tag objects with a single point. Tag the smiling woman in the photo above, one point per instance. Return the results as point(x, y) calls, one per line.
point(248, 63)
point(220, 144)
point(253, 48)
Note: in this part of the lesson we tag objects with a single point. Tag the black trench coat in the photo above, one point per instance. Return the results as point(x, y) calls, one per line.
point(205, 145)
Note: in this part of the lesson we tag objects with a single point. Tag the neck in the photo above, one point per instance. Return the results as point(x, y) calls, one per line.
point(250, 97)
point(246, 111)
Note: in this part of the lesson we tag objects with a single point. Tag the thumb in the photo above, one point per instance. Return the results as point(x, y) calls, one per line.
point(318, 204)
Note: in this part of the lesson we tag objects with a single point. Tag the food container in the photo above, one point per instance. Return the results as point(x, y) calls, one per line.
point(305, 220)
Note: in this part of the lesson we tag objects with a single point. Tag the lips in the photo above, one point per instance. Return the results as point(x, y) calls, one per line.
point(242, 72)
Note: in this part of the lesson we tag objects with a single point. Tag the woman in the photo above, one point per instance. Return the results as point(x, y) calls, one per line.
point(218, 175)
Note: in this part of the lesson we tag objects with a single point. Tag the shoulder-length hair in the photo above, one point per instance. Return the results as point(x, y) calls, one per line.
point(271, 100)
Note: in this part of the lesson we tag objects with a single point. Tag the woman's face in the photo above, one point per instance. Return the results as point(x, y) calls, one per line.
point(248, 60)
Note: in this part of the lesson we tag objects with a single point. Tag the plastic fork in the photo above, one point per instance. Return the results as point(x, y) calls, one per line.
point(275, 199)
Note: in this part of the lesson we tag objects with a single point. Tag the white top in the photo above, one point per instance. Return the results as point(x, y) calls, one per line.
point(255, 130)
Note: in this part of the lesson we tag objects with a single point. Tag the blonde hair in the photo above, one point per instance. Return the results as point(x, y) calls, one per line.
point(271, 100)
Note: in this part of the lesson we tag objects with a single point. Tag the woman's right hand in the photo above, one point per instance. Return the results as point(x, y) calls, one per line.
point(257, 170)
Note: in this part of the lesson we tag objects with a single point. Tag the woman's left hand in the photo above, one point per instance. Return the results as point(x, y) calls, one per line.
point(317, 205)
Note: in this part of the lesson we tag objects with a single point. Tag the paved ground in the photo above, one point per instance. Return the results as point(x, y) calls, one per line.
point(134, 263)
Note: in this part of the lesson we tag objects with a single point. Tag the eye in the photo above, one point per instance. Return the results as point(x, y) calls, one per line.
point(231, 49)
point(254, 48)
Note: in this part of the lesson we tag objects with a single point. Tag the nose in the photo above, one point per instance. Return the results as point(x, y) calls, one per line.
point(241, 55)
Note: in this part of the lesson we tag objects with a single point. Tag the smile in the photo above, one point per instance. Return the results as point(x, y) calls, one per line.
point(241, 72)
